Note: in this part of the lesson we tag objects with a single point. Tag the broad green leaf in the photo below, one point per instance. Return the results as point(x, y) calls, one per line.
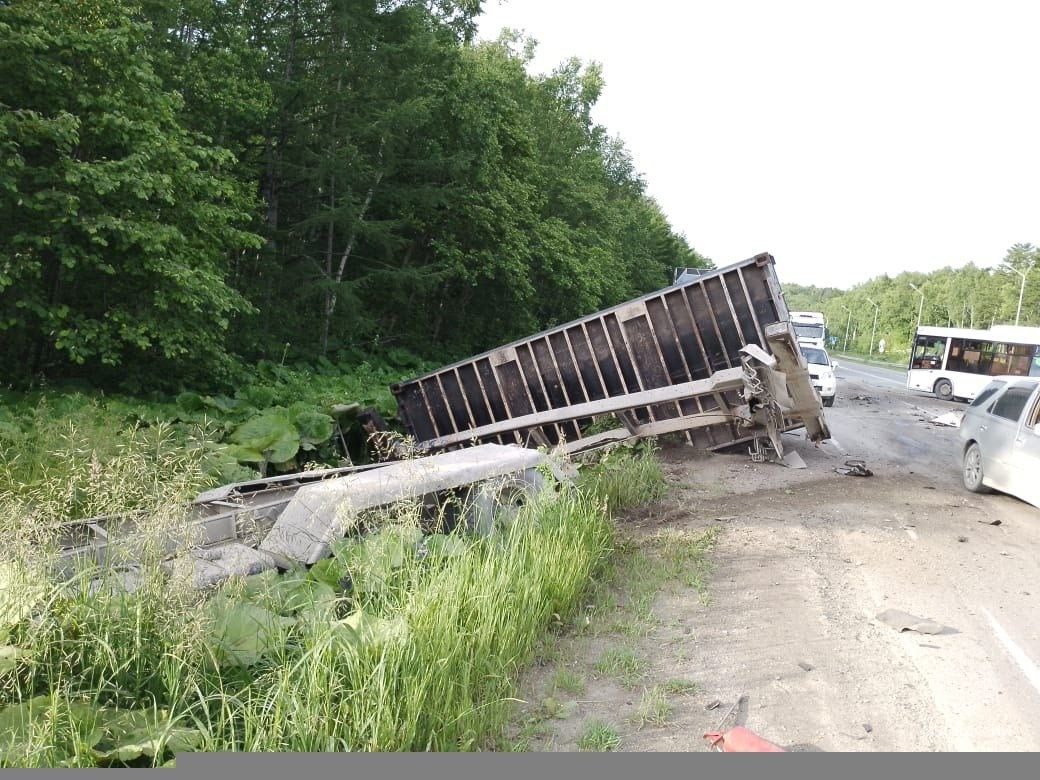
point(9, 656)
point(18, 594)
point(295, 593)
point(245, 454)
point(129, 734)
point(313, 426)
point(221, 402)
point(243, 633)
point(259, 396)
point(272, 434)
point(18, 722)
point(361, 628)
point(190, 402)
point(330, 571)
point(444, 546)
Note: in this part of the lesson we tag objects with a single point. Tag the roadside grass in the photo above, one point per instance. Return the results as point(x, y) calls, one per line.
point(619, 613)
point(416, 652)
point(641, 568)
point(680, 687)
point(568, 681)
point(654, 708)
point(625, 477)
point(599, 736)
point(623, 664)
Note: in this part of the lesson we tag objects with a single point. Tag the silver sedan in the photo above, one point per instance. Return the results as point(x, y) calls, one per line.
point(1000, 434)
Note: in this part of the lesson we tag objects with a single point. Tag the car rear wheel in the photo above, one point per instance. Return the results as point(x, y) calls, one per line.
point(972, 471)
point(944, 390)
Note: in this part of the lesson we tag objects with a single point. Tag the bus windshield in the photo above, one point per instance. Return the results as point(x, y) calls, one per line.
point(928, 352)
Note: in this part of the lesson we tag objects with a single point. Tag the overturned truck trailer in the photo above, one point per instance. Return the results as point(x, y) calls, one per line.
point(714, 357)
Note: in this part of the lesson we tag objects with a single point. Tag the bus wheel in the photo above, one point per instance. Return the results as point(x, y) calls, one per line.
point(943, 390)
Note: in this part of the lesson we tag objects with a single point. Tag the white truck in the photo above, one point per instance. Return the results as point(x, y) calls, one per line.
point(810, 327)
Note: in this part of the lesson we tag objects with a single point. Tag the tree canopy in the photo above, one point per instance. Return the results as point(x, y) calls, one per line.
point(966, 297)
point(187, 185)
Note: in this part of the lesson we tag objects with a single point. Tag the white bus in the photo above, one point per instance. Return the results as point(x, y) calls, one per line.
point(959, 362)
point(810, 328)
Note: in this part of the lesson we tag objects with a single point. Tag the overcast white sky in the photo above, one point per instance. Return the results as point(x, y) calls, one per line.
point(846, 138)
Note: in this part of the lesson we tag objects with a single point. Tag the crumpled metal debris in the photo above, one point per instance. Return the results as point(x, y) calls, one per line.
point(855, 468)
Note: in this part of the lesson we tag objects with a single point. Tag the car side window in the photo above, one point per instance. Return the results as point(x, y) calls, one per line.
point(987, 393)
point(1010, 405)
point(1034, 416)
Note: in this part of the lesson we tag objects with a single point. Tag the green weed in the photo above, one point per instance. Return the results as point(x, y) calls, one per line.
point(621, 663)
point(599, 736)
point(654, 708)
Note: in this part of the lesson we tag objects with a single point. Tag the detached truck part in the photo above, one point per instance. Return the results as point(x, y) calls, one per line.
point(674, 360)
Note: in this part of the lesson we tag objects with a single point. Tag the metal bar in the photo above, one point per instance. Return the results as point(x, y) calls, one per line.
point(722, 380)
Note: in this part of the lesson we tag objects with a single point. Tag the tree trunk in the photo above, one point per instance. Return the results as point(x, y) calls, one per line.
point(330, 300)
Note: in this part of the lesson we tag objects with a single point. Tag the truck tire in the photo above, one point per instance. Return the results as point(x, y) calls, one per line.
point(943, 390)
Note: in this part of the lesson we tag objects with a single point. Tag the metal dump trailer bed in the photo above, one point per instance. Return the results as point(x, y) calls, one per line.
point(676, 341)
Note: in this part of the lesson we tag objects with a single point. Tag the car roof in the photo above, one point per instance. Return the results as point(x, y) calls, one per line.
point(1029, 380)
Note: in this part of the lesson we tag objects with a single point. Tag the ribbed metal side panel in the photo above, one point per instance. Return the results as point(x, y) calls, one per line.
point(679, 334)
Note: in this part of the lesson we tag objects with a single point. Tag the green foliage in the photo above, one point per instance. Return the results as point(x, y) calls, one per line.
point(967, 297)
point(294, 662)
point(626, 476)
point(599, 736)
point(116, 223)
point(190, 187)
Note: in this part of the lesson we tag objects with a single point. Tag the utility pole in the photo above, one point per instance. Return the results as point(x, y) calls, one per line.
point(920, 306)
point(845, 348)
point(1022, 288)
point(873, 330)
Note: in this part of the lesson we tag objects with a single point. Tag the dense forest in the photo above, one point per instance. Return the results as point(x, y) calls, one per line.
point(190, 186)
point(966, 297)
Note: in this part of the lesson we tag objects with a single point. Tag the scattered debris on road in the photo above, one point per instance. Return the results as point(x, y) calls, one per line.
point(904, 621)
point(990, 522)
point(962, 538)
point(740, 740)
point(806, 666)
point(855, 468)
point(950, 419)
point(864, 398)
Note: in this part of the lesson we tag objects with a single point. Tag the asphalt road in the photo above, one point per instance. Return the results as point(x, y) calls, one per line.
point(809, 559)
point(871, 374)
point(926, 545)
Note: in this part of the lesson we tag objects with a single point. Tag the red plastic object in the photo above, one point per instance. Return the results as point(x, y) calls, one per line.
point(740, 740)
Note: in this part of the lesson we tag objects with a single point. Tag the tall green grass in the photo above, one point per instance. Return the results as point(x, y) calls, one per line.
point(423, 655)
point(625, 477)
